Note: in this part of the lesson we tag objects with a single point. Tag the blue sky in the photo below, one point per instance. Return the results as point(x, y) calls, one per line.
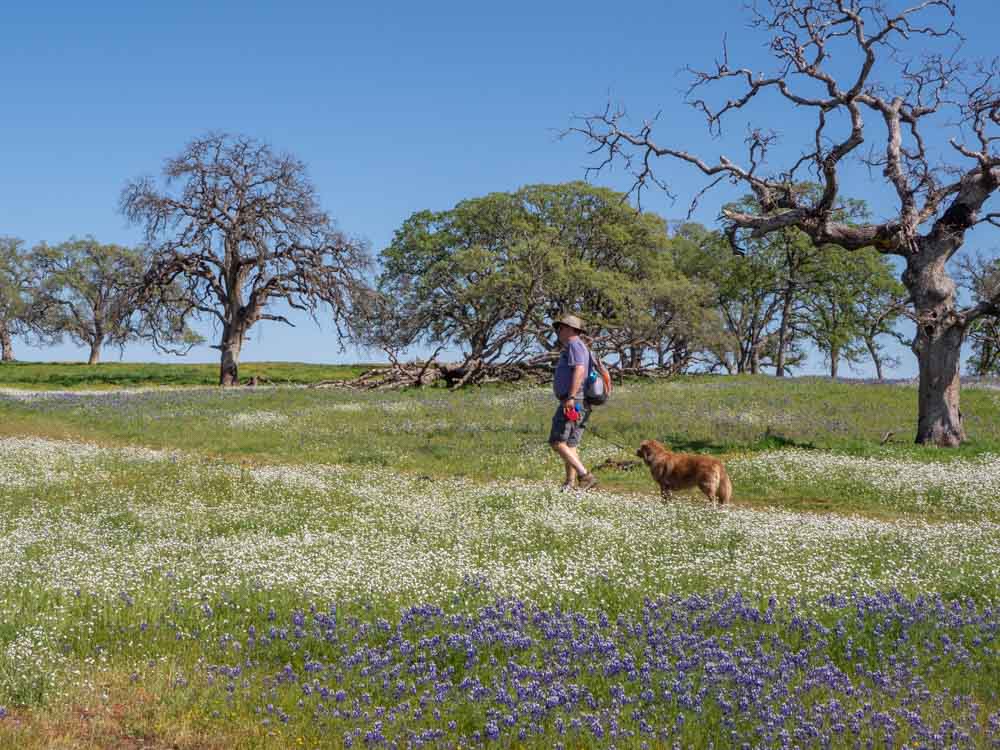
point(394, 107)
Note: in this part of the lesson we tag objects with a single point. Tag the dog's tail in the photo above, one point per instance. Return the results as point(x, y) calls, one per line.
point(725, 491)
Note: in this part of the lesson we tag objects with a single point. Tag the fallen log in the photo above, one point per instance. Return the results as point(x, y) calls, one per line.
point(451, 375)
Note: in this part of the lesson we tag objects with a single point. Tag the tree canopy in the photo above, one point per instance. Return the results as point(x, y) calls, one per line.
point(93, 293)
point(488, 276)
point(239, 228)
point(14, 287)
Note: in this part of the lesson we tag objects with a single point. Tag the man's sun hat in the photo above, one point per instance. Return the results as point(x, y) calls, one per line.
point(572, 321)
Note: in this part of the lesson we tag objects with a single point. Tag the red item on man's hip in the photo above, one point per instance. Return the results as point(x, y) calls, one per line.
point(571, 413)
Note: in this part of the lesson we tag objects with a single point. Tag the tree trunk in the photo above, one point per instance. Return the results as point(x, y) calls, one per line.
point(637, 352)
point(786, 314)
point(229, 369)
point(876, 360)
point(938, 346)
point(95, 353)
point(6, 344)
point(939, 419)
point(834, 361)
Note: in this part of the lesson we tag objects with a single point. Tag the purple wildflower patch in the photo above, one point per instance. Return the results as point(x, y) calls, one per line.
point(695, 671)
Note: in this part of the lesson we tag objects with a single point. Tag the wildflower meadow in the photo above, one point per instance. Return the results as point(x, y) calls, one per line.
point(297, 567)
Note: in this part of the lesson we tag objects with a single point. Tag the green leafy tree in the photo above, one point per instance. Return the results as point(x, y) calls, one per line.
point(881, 302)
point(832, 319)
point(93, 293)
point(618, 268)
point(770, 295)
point(981, 277)
point(468, 278)
point(488, 276)
point(854, 302)
point(14, 287)
point(748, 297)
point(672, 320)
point(984, 337)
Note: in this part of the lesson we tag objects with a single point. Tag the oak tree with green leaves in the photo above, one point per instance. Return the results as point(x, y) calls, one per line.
point(487, 277)
point(669, 322)
point(93, 293)
point(757, 295)
point(15, 283)
point(852, 304)
point(469, 278)
point(613, 266)
point(981, 277)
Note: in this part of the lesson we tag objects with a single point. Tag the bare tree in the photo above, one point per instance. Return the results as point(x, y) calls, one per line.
point(243, 231)
point(938, 201)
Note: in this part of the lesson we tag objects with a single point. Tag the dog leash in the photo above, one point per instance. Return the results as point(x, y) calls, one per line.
point(599, 436)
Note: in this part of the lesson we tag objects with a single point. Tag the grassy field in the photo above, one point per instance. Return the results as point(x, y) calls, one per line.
point(51, 375)
point(295, 567)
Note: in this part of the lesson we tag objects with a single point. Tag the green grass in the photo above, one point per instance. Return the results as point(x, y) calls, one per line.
point(52, 375)
point(493, 434)
point(279, 498)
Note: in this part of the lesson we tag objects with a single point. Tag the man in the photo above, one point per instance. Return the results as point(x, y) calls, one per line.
point(571, 415)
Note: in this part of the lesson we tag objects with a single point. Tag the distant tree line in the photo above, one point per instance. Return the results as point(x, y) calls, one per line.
point(483, 279)
point(86, 291)
point(486, 277)
point(234, 234)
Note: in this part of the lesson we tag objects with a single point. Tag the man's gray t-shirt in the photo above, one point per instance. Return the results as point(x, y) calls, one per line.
point(573, 354)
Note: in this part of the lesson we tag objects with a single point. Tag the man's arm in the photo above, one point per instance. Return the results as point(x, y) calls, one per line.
point(579, 373)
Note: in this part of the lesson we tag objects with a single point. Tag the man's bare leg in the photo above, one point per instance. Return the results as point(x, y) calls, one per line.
point(570, 476)
point(573, 464)
point(570, 458)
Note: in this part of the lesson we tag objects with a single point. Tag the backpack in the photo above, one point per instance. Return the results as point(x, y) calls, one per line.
point(597, 387)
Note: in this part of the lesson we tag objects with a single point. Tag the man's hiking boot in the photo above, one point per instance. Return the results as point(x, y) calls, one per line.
point(587, 481)
point(567, 487)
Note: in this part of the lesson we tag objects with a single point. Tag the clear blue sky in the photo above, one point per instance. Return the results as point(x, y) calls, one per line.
point(394, 107)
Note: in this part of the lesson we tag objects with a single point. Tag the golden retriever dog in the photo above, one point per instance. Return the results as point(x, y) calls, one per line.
point(680, 471)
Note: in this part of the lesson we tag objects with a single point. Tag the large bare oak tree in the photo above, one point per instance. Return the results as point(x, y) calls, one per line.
point(240, 228)
point(882, 69)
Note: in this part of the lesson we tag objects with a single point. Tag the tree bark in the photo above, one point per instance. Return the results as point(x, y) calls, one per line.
point(876, 360)
point(834, 361)
point(6, 343)
point(636, 356)
point(95, 353)
point(938, 346)
point(939, 416)
point(231, 346)
point(786, 313)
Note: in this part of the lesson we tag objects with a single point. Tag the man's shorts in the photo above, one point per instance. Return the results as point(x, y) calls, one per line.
point(565, 431)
